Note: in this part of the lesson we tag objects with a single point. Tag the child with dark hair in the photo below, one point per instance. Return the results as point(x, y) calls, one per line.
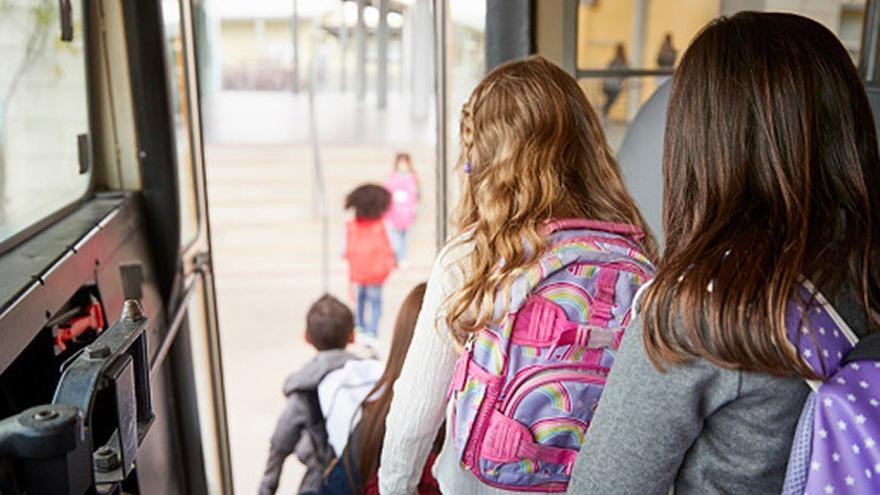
point(368, 251)
point(306, 424)
point(355, 471)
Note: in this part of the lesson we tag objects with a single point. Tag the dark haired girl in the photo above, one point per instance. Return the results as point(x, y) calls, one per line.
point(771, 175)
point(368, 251)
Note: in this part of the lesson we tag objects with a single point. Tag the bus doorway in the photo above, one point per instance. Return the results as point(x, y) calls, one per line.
point(302, 102)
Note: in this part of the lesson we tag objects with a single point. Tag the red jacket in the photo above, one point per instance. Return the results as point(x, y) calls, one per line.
point(368, 251)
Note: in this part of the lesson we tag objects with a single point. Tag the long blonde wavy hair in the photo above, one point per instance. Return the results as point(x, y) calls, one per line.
point(536, 152)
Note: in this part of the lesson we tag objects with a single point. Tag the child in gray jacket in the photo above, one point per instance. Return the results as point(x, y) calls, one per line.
point(301, 427)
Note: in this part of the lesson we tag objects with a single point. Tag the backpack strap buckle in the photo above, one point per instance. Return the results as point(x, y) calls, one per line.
point(603, 302)
point(507, 441)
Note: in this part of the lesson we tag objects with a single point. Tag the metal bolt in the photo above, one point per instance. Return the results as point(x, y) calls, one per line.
point(99, 352)
point(106, 459)
point(131, 310)
point(45, 415)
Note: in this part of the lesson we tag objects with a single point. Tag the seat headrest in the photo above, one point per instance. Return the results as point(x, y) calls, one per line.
point(641, 159)
point(641, 154)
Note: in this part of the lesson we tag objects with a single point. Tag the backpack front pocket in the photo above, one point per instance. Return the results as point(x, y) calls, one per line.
point(562, 399)
point(534, 436)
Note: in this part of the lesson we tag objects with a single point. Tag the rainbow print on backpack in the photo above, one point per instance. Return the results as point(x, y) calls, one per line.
point(525, 390)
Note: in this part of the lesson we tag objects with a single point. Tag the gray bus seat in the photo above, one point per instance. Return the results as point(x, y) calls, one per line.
point(641, 158)
point(641, 154)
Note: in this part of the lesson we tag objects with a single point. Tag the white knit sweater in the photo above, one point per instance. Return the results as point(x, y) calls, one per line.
point(420, 394)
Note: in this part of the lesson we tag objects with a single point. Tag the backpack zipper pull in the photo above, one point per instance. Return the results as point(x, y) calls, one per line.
point(459, 378)
point(469, 344)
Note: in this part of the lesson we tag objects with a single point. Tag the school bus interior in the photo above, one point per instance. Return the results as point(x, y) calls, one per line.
point(112, 378)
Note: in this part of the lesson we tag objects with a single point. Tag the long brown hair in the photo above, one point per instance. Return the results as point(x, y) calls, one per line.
point(535, 151)
point(371, 430)
point(770, 174)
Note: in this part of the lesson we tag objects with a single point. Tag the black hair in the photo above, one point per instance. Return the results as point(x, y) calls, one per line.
point(370, 201)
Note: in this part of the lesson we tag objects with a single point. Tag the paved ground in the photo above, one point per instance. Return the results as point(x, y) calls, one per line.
point(267, 240)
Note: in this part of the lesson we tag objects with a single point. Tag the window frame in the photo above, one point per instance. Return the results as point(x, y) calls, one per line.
point(193, 111)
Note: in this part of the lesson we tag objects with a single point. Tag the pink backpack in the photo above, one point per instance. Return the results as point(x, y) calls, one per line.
point(525, 390)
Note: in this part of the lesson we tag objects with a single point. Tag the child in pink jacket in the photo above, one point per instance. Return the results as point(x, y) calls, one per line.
point(404, 188)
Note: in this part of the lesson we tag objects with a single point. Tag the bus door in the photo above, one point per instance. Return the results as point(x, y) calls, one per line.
point(110, 376)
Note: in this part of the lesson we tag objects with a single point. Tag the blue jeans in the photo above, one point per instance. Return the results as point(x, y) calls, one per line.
point(369, 295)
point(398, 242)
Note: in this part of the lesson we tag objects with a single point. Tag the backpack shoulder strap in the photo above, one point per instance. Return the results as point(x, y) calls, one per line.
point(867, 349)
point(316, 428)
point(832, 339)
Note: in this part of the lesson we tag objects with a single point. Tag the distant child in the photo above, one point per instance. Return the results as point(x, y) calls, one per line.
point(404, 187)
point(368, 251)
point(302, 427)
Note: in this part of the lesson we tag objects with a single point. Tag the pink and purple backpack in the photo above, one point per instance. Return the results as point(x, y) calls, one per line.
point(836, 448)
point(525, 389)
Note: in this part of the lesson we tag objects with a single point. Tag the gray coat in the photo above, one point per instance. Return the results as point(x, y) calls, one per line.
point(300, 428)
point(698, 428)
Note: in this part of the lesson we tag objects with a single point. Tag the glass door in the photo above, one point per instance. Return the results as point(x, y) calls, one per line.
point(196, 287)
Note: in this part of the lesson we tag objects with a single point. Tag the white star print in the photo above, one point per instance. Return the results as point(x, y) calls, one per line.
point(815, 466)
point(841, 425)
point(854, 366)
point(841, 380)
point(823, 433)
point(877, 467)
point(850, 481)
point(856, 449)
point(874, 402)
point(825, 353)
point(869, 442)
point(860, 419)
point(805, 330)
point(822, 330)
point(863, 384)
point(868, 474)
point(829, 489)
point(836, 458)
point(877, 364)
point(808, 353)
point(827, 401)
point(851, 397)
point(836, 333)
point(839, 354)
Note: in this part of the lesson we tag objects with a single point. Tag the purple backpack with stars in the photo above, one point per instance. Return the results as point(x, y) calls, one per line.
point(526, 388)
point(836, 448)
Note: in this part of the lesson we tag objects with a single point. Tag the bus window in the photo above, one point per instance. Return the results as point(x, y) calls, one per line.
point(464, 47)
point(44, 122)
point(176, 64)
point(626, 49)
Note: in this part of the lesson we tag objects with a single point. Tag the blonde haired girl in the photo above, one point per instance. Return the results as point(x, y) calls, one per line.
point(532, 151)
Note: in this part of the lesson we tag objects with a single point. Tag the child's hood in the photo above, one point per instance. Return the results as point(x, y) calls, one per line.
point(310, 375)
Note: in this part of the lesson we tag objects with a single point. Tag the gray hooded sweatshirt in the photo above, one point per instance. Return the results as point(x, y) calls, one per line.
point(300, 427)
